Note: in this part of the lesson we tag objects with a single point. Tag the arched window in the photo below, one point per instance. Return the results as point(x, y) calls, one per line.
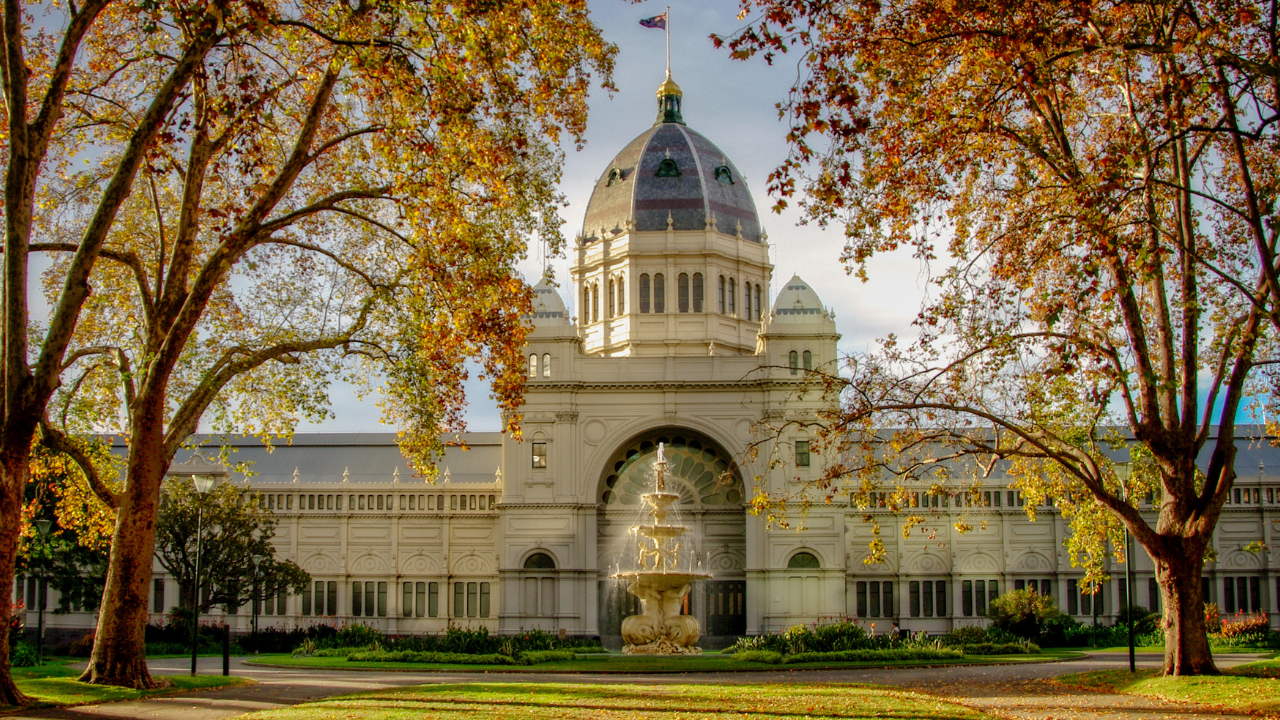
point(697, 292)
point(733, 297)
point(720, 295)
point(803, 561)
point(546, 365)
point(759, 311)
point(794, 362)
point(644, 293)
point(682, 293)
point(533, 365)
point(539, 561)
point(615, 177)
point(613, 298)
point(539, 592)
point(595, 302)
point(622, 296)
point(746, 301)
point(659, 293)
point(668, 168)
point(808, 360)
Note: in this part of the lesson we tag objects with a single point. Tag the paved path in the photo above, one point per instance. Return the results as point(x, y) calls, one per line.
point(1012, 691)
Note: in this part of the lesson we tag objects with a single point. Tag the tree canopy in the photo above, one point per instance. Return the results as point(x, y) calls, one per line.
point(241, 201)
point(233, 528)
point(1093, 186)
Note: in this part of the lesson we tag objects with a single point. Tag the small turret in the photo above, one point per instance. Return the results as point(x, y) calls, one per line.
point(669, 98)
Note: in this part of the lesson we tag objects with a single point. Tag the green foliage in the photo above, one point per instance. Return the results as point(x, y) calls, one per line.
point(357, 635)
point(244, 529)
point(761, 656)
point(24, 655)
point(990, 648)
point(358, 638)
point(878, 655)
point(1023, 613)
point(409, 656)
point(968, 635)
point(535, 657)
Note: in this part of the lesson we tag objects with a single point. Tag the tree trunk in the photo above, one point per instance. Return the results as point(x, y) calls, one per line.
point(1186, 645)
point(119, 646)
point(15, 480)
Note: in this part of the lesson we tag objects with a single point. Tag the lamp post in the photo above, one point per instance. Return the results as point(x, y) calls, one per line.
point(257, 560)
point(203, 483)
point(1128, 570)
point(42, 526)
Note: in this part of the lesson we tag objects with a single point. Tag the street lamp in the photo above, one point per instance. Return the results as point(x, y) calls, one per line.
point(42, 526)
point(203, 483)
point(257, 560)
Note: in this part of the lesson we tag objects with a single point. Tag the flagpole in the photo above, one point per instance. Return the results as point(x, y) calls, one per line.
point(667, 28)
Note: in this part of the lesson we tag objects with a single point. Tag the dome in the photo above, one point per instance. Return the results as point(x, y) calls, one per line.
point(670, 171)
point(548, 307)
point(797, 303)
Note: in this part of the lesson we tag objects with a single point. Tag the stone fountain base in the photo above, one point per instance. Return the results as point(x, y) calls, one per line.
point(660, 628)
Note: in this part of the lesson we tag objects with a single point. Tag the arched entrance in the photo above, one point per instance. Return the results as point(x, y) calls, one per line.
point(711, 502)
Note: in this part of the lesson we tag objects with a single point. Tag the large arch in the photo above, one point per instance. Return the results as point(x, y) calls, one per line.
point(711, 503)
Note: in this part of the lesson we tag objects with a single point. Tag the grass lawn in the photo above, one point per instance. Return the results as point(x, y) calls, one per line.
point(618, 663)
point(55, 683)
point(1254, 687)
point(604, 702)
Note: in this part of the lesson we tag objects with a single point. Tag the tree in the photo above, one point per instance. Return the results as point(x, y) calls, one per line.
point(73, 558)
point(236, 527)
point(243, 200)
point(1093, 185)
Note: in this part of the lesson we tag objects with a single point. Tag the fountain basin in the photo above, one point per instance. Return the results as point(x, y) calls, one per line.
point(660, 628)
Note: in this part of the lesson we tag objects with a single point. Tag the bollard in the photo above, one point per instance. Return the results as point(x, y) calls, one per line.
point(226, 649)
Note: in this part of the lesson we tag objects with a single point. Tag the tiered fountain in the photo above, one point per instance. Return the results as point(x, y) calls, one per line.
point(661, 579)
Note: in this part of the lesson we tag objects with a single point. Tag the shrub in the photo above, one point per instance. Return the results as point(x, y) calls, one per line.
point(990, 648)
point(761, 656)
point(868, 655)
point(408, 656)
point(23, 655)
point(356, 635)
point(82, 647)
point(533, 657)
point(970, 635)
point(307, 647)
point(1212, 618)
point(168, 648)
point(1022, 613)
point(1241, 625)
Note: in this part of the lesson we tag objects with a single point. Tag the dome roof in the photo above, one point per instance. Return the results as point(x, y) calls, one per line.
point(670, 171)
point(548, 307)
point(797, 303)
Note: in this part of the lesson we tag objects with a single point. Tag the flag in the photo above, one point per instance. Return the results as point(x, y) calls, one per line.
point(657, 21)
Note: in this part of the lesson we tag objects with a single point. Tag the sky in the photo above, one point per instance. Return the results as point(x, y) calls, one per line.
point(732, 103)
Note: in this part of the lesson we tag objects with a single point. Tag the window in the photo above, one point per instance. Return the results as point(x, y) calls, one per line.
point(406, 600)
point(1241, 594)
point(808, 361)
point(975, 595)
point(381, 506)
point(357, 601)
point(546, 365)
point(539, 561)
point(644, 293)
point(453, 502)
point(668, 168)
point(803, 561)
point(306, 600)
point(759, 313)
point(484, 599)
point(1153, 595)
point(682, 292)
point(433, 599)
point(724, 175)
point(539, 455)
point(720, 295)
point(697, 292)
point(746, 300)
point(802, 453)
point(613, 298)
point(382, 598)
point(659, 293)
point(595, 302)
point(320, 597)
point(874, 599)
point(533, 365)
point(157, 596)
point(733, 295)
point(615, 176)
point(459, 599)
point(622, 297)
point(793, 361)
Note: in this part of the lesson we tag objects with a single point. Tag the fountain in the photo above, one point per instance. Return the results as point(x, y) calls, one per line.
point(661, 581)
